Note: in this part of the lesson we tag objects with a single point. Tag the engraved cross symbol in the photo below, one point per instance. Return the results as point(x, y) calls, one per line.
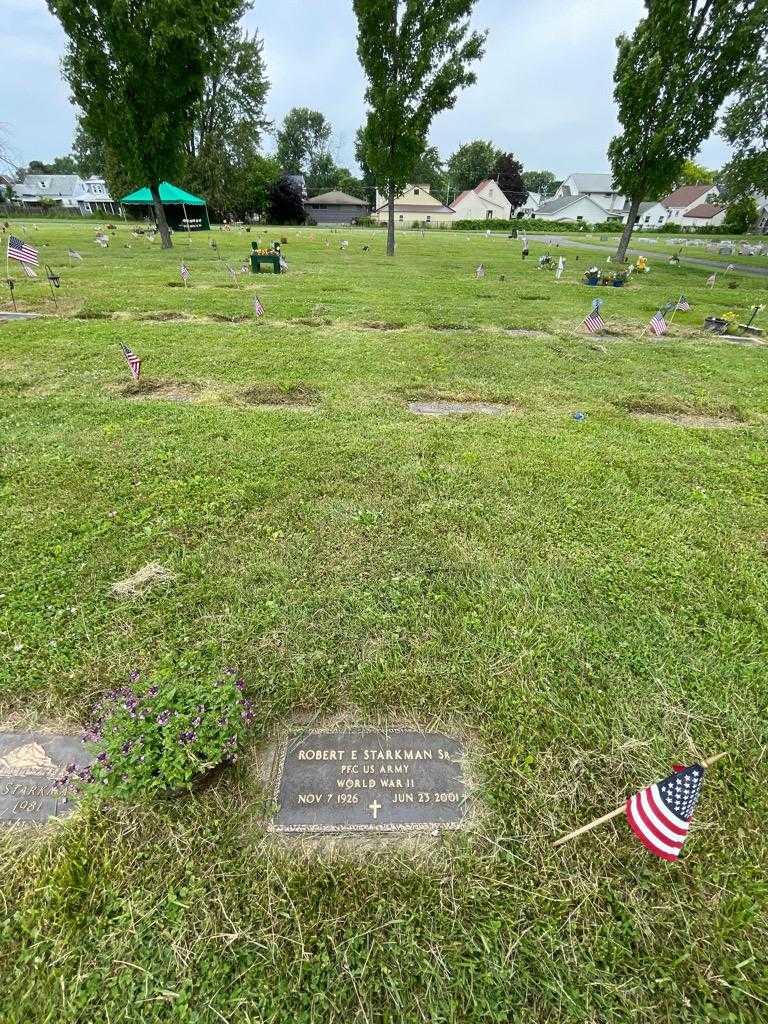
point(374, 808)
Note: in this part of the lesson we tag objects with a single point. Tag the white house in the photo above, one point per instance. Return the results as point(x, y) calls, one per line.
point(597, 187)
point(484, 202)
point(70, 191)
point(650, 215)
point(415, 205)
point(762, 214)
point(574, 210)
point(530, 206)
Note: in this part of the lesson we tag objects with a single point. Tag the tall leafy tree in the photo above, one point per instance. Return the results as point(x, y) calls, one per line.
point(508, 173)
point(304, 135)
point(137, 71)
point(745, 126)
point(741, 215)
point(692, 173)
point(222, 146)
point(416, 56)
point(470, 164)
point(285, 203)
point(369, 178)
point(539, 181)
point(672, 75)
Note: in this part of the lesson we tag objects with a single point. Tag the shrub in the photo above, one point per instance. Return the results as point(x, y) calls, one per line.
point(162, 734)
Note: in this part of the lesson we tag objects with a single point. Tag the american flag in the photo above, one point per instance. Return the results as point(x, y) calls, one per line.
point(258, 309)
point(594, 322)
point(28, 270)
point(660, 815)
point(184, 273)
point(231, 271)
point(74, 255)
point(21, 251)
point(133, 361)
point(711, 280)
point(683, 305)
point(480, 272)
point(658, 323)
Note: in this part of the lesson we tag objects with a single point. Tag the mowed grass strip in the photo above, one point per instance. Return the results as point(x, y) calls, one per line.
point(585, 600)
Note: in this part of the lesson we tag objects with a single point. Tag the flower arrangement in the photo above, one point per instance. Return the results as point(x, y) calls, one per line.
point(265, 252)
point(162, 734)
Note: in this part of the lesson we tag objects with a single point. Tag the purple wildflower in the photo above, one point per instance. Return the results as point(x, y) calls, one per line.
point(134, 675)
point(163, 718)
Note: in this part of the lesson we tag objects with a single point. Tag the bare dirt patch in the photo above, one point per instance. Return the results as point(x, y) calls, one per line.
point(166, 391)
point(686, 417)
point(163, 316)
point(299, 396)
point(523, 332)
point(381, 325)
point(445, 407)
point(449, 327)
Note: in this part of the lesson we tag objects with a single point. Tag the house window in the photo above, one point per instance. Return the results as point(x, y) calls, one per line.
point(429, 218)
point(579, 217)
point(647, 220)
point(400, 217)
point(415, 191)
point(489, 214)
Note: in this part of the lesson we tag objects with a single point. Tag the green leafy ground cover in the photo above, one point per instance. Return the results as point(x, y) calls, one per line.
point(584, 600)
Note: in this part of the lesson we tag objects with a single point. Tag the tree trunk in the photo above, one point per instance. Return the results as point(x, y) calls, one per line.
point(391, 223)
point(629, 227)
point(162, 223)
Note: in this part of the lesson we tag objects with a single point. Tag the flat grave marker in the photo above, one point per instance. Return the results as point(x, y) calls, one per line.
point(30, 764)
point(362, 780)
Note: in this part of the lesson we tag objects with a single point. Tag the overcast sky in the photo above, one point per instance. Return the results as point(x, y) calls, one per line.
point(543, 91)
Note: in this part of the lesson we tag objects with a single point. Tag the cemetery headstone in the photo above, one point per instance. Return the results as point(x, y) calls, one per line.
point(367, 781)
point(30, 765)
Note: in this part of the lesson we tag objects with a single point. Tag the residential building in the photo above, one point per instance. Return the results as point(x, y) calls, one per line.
point(597, 187)
point(484, 202)
point(684, 200)
point(649, 215)
point(762, 214)
point(709, 215)
point(530, 206)
point(415, 205)
point(574, 210)
point(335, 208)
point(70, 191)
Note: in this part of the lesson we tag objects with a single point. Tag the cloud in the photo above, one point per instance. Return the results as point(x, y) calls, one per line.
point(544, 87)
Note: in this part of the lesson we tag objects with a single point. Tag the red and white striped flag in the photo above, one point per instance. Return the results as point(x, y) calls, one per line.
point(21, 251)
point(134, 362)
point(660, 815)
point(594, 322)
point(28, 270)
point(258, 309)
point(184, 273)
point(659, 324)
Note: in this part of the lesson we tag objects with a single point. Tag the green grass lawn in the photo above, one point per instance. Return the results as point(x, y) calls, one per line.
point(661, 243)
point(586, 601)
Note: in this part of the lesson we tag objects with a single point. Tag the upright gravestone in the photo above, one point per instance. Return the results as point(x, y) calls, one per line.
point(368, 781)
point(30, 765)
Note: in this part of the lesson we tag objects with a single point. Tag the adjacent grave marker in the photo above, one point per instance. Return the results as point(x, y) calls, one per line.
point(30, 764)
point(363, 780)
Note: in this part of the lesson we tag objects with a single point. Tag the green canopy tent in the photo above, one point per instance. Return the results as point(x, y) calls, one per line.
point(175, 202)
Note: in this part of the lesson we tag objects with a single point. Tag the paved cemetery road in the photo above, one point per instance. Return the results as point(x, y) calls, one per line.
point(691, 261)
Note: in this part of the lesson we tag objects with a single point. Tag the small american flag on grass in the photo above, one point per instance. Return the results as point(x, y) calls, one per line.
point(21, 251)
point(134, 362)
point(683, 305)
point(258, 309)
point(28, 270)
point(74, 255)
point(184, 273)
point(594, 322)
point(658, 323)
point(660, 815)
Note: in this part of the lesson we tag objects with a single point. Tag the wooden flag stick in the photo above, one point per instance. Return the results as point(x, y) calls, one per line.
point(619, 810)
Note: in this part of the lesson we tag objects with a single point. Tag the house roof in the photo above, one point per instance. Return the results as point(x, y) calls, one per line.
point(556, 205)
point(42, 184)
point(592, 182)
point(482, 184)
point(705, 210)
point(335, 198)
point(686, 195)
point(460, 196)
point(644, 207)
